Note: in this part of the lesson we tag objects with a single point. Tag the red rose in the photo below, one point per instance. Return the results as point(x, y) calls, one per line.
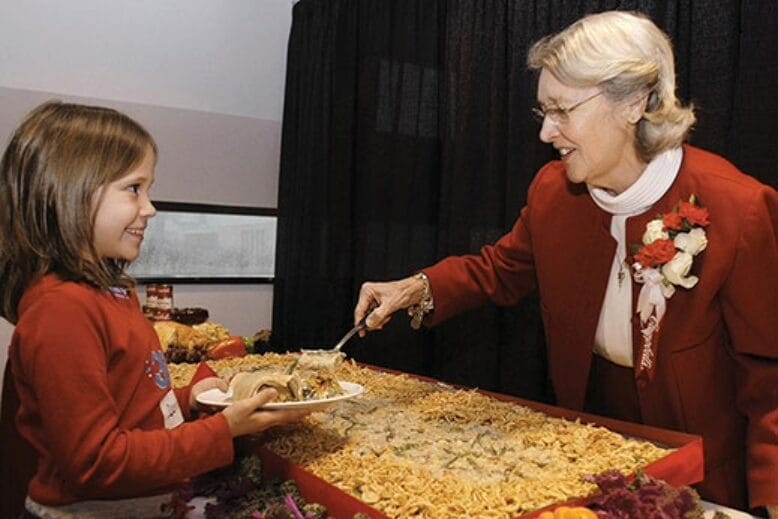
point(694, 214)
point(656, 253)
point(673, 221)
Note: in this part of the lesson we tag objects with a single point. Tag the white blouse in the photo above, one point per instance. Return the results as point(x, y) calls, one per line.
point(613, 339)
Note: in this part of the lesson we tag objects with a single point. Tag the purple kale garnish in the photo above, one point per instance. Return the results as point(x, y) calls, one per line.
point(240, 494)
point(644, 498)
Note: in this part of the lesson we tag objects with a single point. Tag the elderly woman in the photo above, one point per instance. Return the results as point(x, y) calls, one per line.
point(656, 262)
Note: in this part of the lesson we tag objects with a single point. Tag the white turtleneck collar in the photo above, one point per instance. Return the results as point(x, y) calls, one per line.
point(613, 338)
point(654, 182)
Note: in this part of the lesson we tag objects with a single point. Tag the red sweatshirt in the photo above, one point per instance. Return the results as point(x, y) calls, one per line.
point(91, 378)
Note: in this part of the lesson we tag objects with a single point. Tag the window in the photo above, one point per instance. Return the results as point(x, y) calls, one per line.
point(200, 243)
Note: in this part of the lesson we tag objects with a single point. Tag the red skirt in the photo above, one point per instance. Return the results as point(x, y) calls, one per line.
point(612, 391)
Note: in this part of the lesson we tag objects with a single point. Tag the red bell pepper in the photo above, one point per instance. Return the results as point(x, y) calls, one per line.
point(233, 347)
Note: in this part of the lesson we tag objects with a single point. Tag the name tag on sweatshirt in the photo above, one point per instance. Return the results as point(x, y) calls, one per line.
point(171, 411)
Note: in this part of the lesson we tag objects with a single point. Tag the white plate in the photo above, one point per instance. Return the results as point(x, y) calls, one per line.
point(711, 509)
point(218, 398)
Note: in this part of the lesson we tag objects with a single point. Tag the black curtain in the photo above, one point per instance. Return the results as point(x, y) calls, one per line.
point(407, 137)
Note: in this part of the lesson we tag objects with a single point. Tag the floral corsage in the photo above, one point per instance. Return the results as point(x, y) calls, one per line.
point(663, 262)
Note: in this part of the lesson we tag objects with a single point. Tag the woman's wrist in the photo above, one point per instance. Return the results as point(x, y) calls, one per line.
point(423, 304)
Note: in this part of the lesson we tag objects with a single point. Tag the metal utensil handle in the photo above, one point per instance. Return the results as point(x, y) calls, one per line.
point(350, 334)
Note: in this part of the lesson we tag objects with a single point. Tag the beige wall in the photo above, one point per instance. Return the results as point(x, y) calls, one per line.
point(206, 78)
point(204, 157)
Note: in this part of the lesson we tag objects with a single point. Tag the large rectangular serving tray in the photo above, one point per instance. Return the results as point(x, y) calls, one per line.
point(684, 466)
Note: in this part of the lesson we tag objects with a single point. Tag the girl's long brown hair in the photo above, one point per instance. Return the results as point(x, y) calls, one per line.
point(56, 160)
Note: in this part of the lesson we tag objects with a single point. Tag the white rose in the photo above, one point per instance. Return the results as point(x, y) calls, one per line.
point(677, 269)
point(655, 231)
point(692, 242)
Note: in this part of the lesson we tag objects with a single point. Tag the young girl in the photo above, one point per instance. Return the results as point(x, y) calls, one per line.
point(96, 399)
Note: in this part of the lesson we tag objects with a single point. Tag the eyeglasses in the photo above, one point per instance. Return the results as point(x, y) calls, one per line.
point(559, 114)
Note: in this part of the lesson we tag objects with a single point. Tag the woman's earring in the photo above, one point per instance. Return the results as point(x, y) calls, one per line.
point(634, 119)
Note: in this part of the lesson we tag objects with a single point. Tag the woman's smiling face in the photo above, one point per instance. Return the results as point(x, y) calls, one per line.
point(596, 140)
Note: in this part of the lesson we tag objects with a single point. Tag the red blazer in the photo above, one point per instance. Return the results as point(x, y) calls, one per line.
point(717, 360)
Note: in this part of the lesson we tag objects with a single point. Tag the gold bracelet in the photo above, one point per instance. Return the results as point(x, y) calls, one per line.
point(420, 311)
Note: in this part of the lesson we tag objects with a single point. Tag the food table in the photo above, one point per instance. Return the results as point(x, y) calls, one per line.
point(333, 465)
point(325, 495)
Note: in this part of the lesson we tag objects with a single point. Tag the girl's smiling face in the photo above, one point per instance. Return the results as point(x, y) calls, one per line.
point(123, 212)
point(596, 140)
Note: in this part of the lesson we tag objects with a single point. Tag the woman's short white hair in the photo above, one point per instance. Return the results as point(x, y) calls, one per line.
point(624, 54)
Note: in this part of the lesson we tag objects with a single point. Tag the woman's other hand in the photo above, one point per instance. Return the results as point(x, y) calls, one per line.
point(385, 299)
point(246, 417)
